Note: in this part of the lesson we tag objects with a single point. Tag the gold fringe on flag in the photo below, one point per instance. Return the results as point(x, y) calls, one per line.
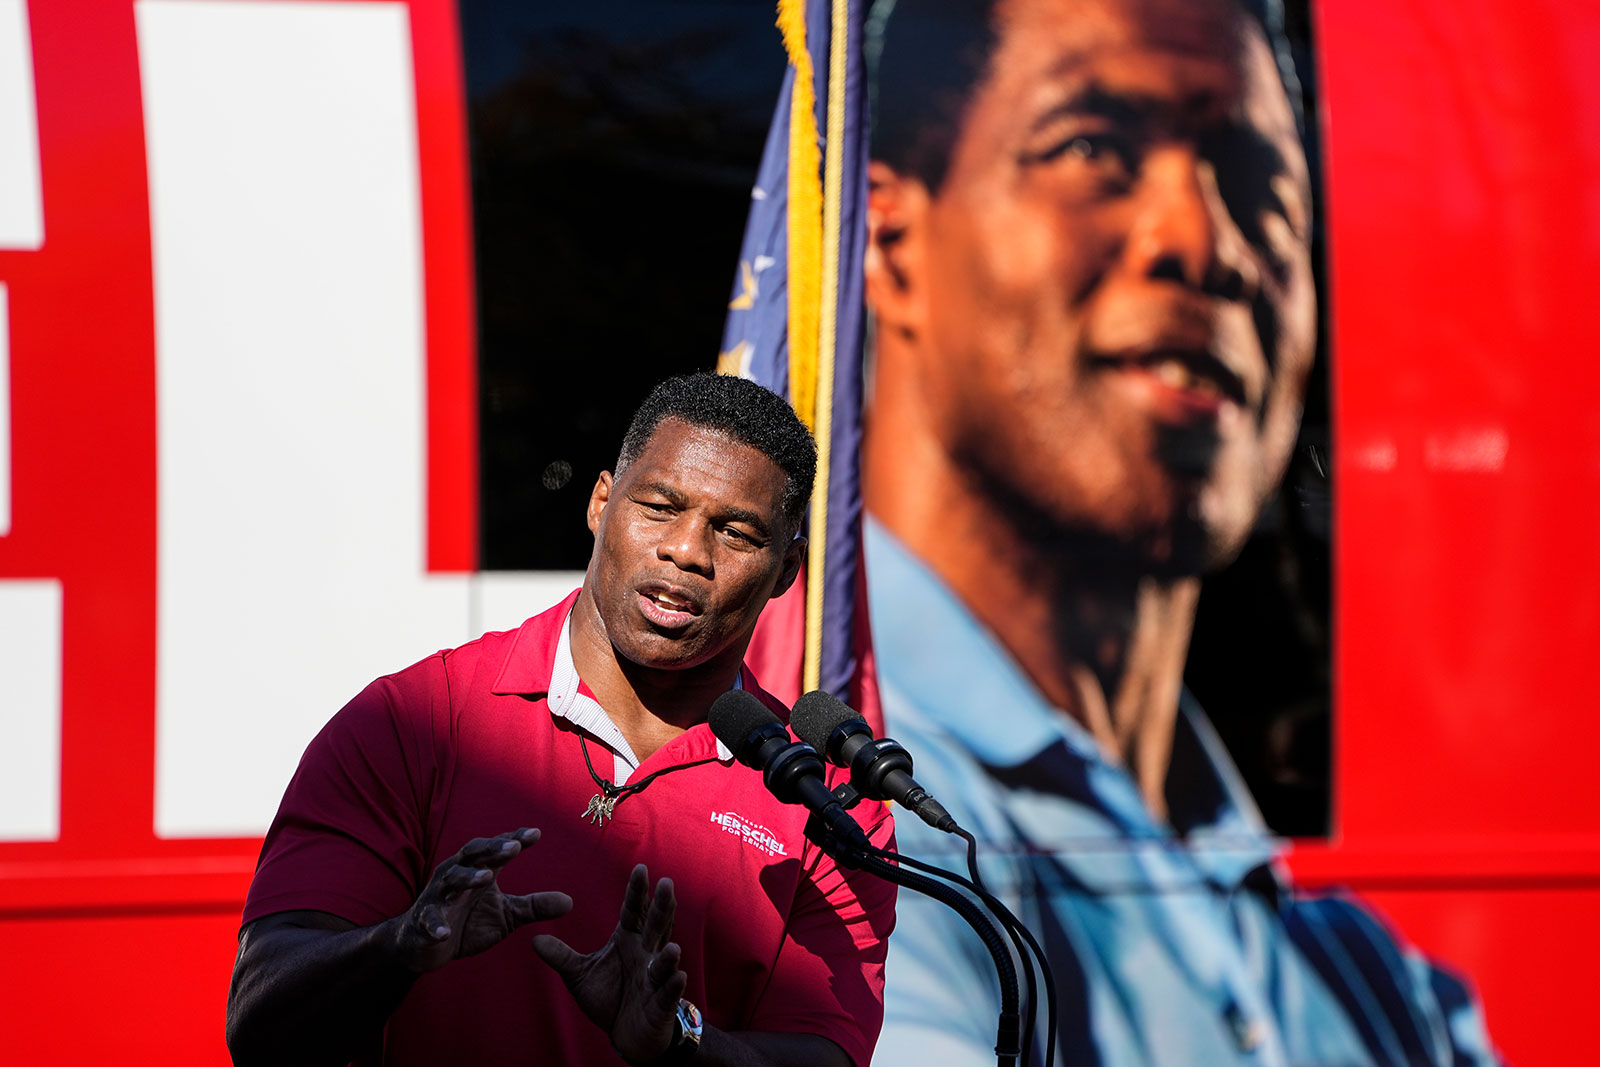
point(827, 335)
point(805, 218)
point(815, 212)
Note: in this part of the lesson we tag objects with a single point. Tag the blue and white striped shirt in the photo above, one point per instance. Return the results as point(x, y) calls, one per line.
point(1166, 950)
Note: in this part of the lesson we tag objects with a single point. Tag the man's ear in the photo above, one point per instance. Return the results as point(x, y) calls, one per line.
point(897, 210)
point(599, 496)
point(793, 556)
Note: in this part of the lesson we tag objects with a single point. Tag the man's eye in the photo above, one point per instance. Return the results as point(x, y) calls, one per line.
point(1086, 147)
point(739, 536)
point(1111, 154)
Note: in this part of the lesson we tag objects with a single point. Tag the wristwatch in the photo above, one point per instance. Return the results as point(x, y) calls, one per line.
point(686, 1042)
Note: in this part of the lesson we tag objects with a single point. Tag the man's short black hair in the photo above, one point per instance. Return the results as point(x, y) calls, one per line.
point(746, 412)
point(927, 58)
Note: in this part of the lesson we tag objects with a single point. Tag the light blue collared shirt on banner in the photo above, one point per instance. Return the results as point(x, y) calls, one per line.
point(1166, 950)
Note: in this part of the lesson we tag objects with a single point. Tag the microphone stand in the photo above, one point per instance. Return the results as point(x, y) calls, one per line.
point(1014, 926)
point(1008, 1030)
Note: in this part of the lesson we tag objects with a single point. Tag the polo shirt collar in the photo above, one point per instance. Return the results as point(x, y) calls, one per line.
point(540, 664)
point(951, 668)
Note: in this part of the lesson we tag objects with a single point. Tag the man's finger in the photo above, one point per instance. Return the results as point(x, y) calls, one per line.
point(658, 922)
point(536, 907)
point(458, 880)
point(666, 998)
point(431, 921)
point(635, 900)
point(495, 851)
point(560, 956)
point(663, 965)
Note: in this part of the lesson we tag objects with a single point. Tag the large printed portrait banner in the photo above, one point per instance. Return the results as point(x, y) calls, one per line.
point(1098, 411)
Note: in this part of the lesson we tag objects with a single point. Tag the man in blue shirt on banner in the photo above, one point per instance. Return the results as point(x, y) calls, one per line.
point(1089, 267)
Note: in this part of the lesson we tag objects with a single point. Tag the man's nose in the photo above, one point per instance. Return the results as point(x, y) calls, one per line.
point(1184, 231)
point(686, 544)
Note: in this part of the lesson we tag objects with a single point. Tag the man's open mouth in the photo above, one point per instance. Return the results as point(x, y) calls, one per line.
point(667, 606)
point(1193, 371)
point(670, 602)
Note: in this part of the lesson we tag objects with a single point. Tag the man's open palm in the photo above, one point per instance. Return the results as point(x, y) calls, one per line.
point(631, 985)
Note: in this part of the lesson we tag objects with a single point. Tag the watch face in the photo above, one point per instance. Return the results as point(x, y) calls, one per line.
point(689, 1021)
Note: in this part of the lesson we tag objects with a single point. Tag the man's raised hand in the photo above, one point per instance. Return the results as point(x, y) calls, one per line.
point(462, 911)
point(631, 985)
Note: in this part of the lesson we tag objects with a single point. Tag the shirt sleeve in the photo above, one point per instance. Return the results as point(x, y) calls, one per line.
point(1408, 1009)
point(828, 977)
point(350, 835)
point(1469, 1033)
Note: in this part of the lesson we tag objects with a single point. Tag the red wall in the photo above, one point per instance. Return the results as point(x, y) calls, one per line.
point(116, 945)
point(1463, 180)
point(1462, 156)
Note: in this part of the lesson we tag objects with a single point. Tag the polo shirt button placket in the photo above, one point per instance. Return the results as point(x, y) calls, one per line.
point(1250, 1035)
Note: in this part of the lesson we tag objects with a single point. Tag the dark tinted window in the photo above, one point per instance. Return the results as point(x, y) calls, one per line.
point(613, 147)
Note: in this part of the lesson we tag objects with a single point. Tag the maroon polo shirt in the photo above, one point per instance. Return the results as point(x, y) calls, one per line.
point(775, 937)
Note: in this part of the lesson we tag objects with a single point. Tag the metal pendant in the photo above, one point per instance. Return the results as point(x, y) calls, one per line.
point(599, 809)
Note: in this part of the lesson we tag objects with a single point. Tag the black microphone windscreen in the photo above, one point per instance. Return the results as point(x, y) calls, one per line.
point(737, 714)
point(817, 714)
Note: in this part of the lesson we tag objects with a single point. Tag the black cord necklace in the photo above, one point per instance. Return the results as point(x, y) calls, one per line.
point(604, 803)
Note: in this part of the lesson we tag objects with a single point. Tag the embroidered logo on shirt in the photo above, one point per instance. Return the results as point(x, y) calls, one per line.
point(753, 833)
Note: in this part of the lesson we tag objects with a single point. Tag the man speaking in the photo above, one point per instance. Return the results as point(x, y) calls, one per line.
point(383, 922)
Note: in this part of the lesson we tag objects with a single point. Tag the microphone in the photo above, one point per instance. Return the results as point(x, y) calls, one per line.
point(792, 770)
point(880, 768)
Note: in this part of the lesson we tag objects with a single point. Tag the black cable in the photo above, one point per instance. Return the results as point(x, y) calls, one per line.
point(1008, 1045)
point(1008, 1028)
point(1013, 927)
point(1012, 921)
